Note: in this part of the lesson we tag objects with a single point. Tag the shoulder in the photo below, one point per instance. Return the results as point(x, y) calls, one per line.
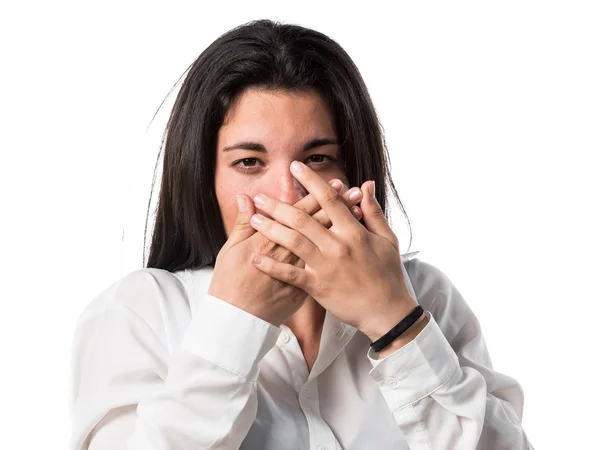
point(433, 289)
point(155, 297)
point(426, 277)
point(139, 290)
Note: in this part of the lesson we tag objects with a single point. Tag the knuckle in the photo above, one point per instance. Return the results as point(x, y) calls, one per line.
point(237, 227)
point(331, 196)
point(280, 254)
point(266, 246)
point(291, 274)
point(378, 211)
point(300, 220)
point(296, 241)
point(361, 237)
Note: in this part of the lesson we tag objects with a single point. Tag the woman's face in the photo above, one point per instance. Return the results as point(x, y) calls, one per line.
point(264, 131)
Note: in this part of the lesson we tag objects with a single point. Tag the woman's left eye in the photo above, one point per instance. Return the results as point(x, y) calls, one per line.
point(319, 158)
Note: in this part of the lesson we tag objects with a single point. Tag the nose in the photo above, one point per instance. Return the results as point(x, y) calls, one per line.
point(288, 189)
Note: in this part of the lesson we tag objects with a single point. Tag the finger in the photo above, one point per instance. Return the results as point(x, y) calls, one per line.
point(357, 212)
point(263, 245)
point(373, 214)
point(242, 229)
point(295, 219)
point(352, 197)
point(308, 204)
point(338, 185)
point(311, 206)
point(287, 273)
point(287, 238)
point(327, 197)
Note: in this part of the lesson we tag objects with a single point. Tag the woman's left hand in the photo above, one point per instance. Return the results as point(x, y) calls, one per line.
point(353, 272)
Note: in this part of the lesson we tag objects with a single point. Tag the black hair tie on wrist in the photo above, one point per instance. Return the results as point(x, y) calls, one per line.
point(395, 332)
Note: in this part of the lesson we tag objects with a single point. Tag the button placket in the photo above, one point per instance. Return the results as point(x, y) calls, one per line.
point(309, 403)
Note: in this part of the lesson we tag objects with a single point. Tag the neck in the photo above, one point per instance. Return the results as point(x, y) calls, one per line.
point(307, 323)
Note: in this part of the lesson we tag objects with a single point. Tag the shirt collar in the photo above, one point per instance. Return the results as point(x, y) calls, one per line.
point(335, 335)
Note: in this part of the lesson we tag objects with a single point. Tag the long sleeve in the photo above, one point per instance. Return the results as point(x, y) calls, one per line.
point(441, 387)
point(130, 391)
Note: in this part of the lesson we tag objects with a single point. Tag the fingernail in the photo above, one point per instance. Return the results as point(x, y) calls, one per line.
point(336, 184)
point(241, 201)
point(355, 195)
point(257, 219)
point(356, 211)
point(297, 167)
point(260, 199)
point(256, 259)
point(372, 189)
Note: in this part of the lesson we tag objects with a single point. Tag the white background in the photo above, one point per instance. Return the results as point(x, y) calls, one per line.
point(492, 117)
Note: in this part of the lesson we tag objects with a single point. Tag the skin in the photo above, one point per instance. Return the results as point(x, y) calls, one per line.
point(283, 123)
point(352, 271)
point(283, 127)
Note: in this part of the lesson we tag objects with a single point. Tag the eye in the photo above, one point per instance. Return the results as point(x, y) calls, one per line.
point(319, 159)
point(246, 164)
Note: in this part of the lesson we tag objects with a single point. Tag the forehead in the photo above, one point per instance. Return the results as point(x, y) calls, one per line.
point(300, 111)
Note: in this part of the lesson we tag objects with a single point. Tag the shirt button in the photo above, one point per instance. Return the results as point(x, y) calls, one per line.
point(322, 447)
point(392, 382)
point(305, 393)
point(284, 338)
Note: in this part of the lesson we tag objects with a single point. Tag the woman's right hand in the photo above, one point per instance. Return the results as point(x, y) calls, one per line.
point(236, 281)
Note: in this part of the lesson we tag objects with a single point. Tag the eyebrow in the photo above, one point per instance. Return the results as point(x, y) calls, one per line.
point(255, 146)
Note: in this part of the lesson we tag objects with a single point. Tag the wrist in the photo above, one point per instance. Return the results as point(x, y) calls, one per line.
point(387, 319)
point(408, 336)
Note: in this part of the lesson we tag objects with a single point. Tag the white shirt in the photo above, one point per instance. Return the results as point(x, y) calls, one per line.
point(159, 364)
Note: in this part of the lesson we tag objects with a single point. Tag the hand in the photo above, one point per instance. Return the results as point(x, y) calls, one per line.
point(309, 205)
point(353, 272)
point(236, 281)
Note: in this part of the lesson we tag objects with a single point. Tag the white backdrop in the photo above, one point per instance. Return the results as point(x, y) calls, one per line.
point(492, 117)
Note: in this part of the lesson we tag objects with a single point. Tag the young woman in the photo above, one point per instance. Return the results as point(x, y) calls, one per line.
point(276, 311)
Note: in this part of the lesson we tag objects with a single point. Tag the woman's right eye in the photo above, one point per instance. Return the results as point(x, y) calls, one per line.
point(249, 162)
point(246, 163)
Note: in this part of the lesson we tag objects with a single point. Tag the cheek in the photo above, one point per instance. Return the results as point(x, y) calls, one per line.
point(227, 189)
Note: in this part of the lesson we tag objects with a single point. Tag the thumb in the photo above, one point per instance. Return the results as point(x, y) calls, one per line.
point(242, 229)
point(373, 215)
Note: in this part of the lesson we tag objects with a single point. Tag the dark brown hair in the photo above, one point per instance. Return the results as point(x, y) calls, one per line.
point(188, 230)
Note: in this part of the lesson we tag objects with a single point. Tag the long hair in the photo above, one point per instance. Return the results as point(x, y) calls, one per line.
point(188, 230)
